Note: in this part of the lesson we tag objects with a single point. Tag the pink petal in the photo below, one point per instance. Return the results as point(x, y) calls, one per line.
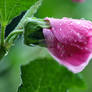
point(70, 42)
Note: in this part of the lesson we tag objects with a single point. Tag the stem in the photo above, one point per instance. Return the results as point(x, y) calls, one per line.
point(2, 35)
point(31, 11)
point(12, 34)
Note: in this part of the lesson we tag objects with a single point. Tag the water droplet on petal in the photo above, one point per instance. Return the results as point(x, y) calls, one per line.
point(78, 22)
point(60, 29)
point(85, 43)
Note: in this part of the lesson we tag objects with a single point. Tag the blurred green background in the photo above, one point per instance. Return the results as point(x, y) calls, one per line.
point(56, 9)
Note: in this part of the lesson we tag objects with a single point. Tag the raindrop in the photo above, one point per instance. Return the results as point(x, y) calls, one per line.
point(60, 24)
point(60, 29)
point(71, 23)
point(53, 28)
point(75, 40)
point(86, 48)
point(85, 43)
point(78, 47)
point(62, 53)
point(58, 46)
point(78, 22)
point(78, 34)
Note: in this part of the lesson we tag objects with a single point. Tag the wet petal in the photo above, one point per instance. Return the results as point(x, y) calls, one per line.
point(70, 42)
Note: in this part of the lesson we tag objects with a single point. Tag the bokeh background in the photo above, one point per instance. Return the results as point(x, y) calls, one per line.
point(56, 9)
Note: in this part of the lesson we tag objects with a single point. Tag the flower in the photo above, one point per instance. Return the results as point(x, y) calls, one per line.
point(78, 0)
point(70, 42)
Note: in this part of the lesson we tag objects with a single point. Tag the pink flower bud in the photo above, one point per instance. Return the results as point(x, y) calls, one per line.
point(70, 42)
point(78, 0)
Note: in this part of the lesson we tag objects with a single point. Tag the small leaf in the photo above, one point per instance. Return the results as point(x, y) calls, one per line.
point(30, 13)
point(33, 31)
point(11, 8)
point(12, 25)
point(46, 75)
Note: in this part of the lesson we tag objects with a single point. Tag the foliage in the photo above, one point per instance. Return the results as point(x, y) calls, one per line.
point(41, 73)
point(11, 8)
point(46, 75)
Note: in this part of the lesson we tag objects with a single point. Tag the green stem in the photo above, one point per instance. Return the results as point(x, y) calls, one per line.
point(31, 11)
point(12, 34)
point(2, 35)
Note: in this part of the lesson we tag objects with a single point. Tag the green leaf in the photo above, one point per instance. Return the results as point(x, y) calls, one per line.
point(11, 8)
point(46, 75)
point(30, 13)
point(10, 73)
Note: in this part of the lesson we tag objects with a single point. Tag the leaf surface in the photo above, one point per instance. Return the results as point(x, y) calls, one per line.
point(46, 75)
